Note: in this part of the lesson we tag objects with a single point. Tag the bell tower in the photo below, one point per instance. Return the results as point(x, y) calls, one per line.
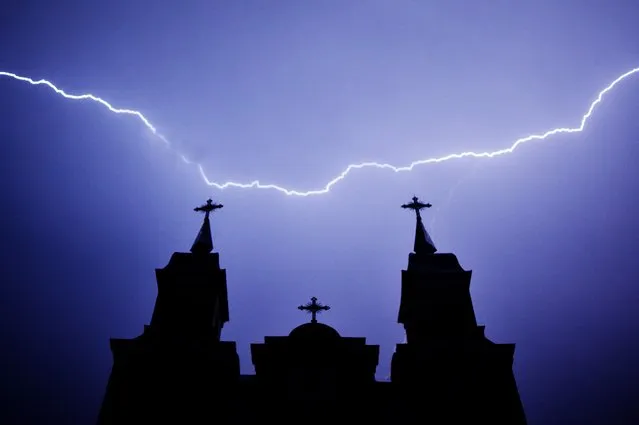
point(178, 370)
point(462, 375)
point(435, 298)
point(192, 296)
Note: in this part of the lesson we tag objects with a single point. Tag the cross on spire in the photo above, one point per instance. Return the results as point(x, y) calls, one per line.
point(203, 243)
point(208, 208)
point(423, 243)
point(416, 206)
point(313, 307)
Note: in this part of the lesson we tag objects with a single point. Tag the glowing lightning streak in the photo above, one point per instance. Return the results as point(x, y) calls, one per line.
point(257, 185)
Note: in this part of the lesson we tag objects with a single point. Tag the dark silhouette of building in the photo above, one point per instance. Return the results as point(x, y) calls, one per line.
point(179, 371)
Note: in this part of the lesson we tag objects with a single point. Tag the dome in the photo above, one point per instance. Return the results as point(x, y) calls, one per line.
point(315, 332)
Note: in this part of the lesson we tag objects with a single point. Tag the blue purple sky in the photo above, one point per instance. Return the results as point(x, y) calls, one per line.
point(291, 92)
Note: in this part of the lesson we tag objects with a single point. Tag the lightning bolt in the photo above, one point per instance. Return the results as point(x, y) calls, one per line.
point(256, 184)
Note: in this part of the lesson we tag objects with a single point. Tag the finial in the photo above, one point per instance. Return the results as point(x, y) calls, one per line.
point(314, 307)
point(203, 243)
point(416, 206)
point(208, 207)
point(423, 243)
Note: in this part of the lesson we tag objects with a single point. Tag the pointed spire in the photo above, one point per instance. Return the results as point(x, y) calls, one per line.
point(203, 243)
point(423, 243)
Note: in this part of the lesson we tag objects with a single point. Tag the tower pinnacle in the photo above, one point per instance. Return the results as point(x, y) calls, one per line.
point(203, 243)
point(423, 243)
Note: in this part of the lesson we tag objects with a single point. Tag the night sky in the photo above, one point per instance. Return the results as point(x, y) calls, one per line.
point(290, 93)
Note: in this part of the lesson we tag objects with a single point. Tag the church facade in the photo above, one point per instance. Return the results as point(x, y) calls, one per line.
point(180, 371)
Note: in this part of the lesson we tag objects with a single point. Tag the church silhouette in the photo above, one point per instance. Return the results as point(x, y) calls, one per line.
point(180, 371)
